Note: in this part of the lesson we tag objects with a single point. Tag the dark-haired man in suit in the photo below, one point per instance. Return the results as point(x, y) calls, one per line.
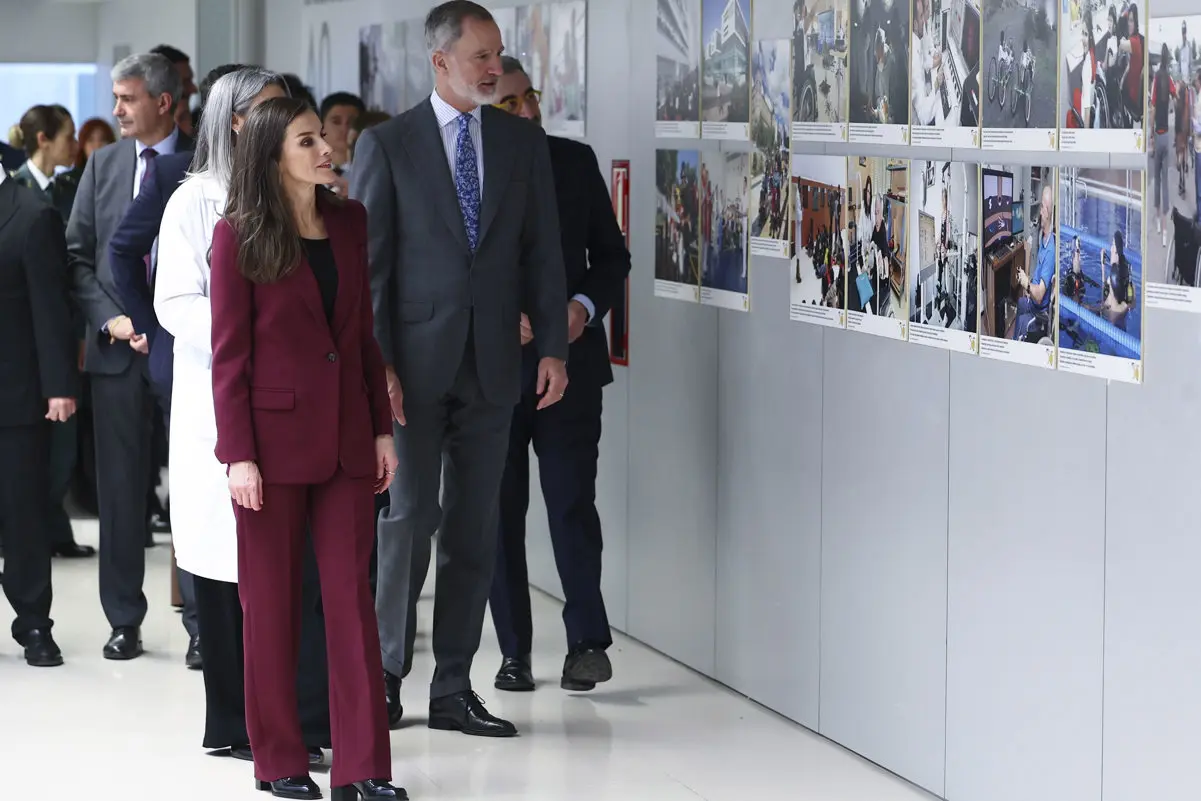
point(146, 88)
point(566, 436)
point(38, 383)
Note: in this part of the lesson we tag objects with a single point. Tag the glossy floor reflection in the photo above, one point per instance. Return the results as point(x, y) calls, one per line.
point(110, 731)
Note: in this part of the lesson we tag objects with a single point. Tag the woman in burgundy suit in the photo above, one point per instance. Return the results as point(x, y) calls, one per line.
point(303, 423)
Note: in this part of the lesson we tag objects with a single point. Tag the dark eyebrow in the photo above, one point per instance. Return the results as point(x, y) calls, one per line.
point(305, 133)
point(507, 98)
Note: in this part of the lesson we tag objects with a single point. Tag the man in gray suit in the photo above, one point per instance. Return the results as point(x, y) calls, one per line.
point(453, 268)
point(146, 89)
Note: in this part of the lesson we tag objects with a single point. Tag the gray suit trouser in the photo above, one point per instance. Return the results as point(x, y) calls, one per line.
point(464, 438)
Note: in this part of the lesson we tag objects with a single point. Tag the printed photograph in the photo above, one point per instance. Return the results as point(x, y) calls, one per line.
point(1172, 254)
point(1020, 47)
point(945, 87)
point(1103, 51)
point(564, 103)
point(533, 46)
point(880, 72)
point(1018, 283)
point(418, 71)
point(381, 73)
point(1101, 264)
point(725, 91)
point(877, 219)
point(770, 129)
point(820, 60)
point(677, 231)
point(724, 188)
point(678, 61)
point(944, 279)
point(819, 186)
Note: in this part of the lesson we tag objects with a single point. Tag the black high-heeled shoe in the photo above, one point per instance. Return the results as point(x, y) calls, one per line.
point(370, 790)
point(299, 787)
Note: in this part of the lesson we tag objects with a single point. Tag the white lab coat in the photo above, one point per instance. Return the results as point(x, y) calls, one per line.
point(202, 520)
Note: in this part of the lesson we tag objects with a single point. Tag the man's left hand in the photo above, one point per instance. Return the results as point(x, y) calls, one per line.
point(552, 381)
point(140, 343)
point(577, 318)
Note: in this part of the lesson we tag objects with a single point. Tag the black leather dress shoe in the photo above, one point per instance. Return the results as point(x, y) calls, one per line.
point(291, 787)
point(40, 649)
point(514, 675)
point(124, 643)
point(370, 790)
point(159, 523)
point(392, 697)
point(465, 712)
point(241, 752)
point(585, 668)
point(73, 550)
point(193, 659)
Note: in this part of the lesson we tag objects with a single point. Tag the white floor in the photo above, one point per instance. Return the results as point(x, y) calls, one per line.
point(109, 730)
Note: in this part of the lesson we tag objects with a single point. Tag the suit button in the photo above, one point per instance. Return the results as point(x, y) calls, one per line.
point(333, 357)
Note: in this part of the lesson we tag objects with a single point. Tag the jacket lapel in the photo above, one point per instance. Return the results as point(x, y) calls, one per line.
point(343, 245)
point(8, 201)
point(126, 163)
point(498, 166)
point(429, 156)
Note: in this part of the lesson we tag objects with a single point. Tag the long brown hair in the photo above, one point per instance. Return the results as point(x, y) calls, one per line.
point(269, 242)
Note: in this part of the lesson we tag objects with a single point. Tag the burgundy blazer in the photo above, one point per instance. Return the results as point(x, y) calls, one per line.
point(294, 394)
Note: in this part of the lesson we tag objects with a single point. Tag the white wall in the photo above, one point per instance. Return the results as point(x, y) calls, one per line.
point(142, 24)
point(48, 32)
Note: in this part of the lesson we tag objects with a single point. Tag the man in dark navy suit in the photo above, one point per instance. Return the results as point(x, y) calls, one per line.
point(11, 158)
point(565, 436)
point(132, 244)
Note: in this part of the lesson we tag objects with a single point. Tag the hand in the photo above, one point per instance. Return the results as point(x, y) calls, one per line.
point(527, 333)
point(577, 318)
point(1023, 279)
point(340, 186)
point(396, 396)
point(139, 343)
point(385, 463)
point(60, 409)
point(121, 328)
point(552, 381)
point(246, 485)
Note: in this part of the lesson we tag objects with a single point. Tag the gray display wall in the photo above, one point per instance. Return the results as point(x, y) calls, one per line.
point(979, 575)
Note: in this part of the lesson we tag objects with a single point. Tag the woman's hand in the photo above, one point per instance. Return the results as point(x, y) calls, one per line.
point(246, 485)
point(385, 463)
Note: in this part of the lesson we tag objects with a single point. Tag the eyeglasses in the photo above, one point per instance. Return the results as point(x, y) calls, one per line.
point(513, 104)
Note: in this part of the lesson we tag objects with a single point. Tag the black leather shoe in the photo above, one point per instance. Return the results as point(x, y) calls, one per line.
point(316, 756)
point(193, 659)
point(291, 787)
point(392, 696)
point(124, 643)
point(159, 523)
point(585, 668)
point(514, 675)
point(241, 752)
point(465, 712)
point(73, 550)
point(40, 649)
point(370, 790)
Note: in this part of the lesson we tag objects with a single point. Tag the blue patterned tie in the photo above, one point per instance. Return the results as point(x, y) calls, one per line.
point(467, 181)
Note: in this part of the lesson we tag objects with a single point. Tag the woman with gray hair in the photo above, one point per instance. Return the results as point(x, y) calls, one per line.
point(202, 517)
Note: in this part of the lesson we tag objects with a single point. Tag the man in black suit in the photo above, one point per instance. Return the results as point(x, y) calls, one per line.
point(146, 88)
point(38, 383)
point(566, 435)
point(11, 158)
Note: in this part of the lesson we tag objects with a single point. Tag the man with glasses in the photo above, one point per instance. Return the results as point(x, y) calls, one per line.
point(566, 435)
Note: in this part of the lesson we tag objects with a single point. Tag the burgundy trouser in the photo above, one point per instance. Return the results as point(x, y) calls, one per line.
point(341, 514)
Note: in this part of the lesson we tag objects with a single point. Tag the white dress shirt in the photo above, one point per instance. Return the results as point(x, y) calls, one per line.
point(163, 148)
point(42, 180)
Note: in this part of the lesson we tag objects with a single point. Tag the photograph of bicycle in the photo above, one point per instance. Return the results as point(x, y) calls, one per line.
point(1103, 76)
point(1018, 86)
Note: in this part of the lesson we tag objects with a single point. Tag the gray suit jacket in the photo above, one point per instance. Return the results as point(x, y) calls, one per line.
point(105, 191)
point(427, 286)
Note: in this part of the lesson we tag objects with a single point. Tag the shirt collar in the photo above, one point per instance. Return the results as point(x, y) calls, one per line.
point(163, 148)
point(446, 113)
point(42, 179)
point(3, 176)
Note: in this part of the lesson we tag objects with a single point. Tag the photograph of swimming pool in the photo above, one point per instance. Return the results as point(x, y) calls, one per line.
point(1101, 273)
